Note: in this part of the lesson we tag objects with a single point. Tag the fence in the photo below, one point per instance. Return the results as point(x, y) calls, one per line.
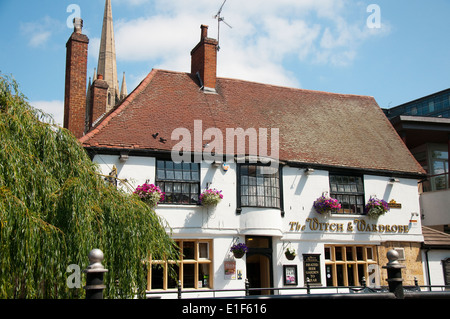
point(427, 291)
point(395, 289)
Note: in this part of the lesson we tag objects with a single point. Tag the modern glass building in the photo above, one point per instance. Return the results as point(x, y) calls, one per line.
point(424, 126)
point(434, 105)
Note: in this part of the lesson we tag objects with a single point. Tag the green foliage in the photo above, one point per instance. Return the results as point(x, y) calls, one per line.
point(55, 208)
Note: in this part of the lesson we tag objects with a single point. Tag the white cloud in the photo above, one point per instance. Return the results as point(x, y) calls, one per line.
point(39, 32)
point(264, 34)
point(53, 108)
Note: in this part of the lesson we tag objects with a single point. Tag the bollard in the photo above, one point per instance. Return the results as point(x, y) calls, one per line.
point(94, 275)
point(308, 286)
point(247, 287)
point(394, 272)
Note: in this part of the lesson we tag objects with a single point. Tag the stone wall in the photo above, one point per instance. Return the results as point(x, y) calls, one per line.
point(413, 262)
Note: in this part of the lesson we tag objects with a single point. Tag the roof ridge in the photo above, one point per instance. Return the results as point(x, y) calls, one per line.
point(121, 107)
point(297, 89)
point(274, 85)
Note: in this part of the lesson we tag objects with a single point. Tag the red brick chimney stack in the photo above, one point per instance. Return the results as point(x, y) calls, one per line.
point(75, 85)
point(99, 98)
point(204, 60)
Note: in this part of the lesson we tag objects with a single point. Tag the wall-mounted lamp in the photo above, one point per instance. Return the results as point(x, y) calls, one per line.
point(309, 171)
point(123, 157)
point(217, 163)
point(393, 180)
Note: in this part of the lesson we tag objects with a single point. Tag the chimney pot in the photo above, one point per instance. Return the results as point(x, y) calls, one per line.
point(78, 25)
point(100, 76)
point(204, 33)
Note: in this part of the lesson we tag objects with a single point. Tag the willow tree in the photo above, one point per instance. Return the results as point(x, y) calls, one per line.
point(55, 208)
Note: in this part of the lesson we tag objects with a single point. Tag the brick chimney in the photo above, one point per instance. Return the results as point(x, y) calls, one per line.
point(75, 86)
point(98, 100)
point(204, 60)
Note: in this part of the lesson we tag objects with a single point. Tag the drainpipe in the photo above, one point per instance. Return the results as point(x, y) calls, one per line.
point(428, 268)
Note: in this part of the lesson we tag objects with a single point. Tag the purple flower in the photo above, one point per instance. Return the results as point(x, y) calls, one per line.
point(376, 207)
point(326, 204)
point(239, 247)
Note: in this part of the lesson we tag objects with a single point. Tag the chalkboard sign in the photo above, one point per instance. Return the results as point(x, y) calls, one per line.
point(311, 268)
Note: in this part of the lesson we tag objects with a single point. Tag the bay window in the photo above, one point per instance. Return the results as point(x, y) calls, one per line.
point(259, 186)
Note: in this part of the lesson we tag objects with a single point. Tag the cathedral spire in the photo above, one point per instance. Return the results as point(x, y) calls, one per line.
point(107, 65)
point(123, 90)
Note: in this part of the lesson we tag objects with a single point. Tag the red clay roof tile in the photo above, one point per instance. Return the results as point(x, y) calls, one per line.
point(314, 127)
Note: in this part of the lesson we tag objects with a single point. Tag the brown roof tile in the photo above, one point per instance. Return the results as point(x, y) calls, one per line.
point(315, 127)
point(433, 237)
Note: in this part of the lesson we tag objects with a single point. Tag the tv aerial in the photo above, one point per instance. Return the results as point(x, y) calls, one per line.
point(220, 19)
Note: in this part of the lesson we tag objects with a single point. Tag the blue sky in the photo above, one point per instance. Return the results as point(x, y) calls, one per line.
point(325, 45)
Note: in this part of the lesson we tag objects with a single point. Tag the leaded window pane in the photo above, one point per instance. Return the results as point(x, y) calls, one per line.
point(349, 191)
point(179, 181)
point(259, 186)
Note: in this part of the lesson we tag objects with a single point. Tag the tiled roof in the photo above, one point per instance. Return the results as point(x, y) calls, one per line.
point(435, 238)
point(314, 127)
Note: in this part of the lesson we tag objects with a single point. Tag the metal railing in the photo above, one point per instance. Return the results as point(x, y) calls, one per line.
point(95, 271)
point(300, 292)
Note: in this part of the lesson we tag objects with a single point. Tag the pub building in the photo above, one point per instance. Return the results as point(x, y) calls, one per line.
point(272, 152)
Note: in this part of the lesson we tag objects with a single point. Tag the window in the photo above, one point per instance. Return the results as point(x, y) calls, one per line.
point(439, 166)
point(347, 265)
point(179, 181)
point(194, 270)
point(259, 186)
point(349, 191)
point(446, 268)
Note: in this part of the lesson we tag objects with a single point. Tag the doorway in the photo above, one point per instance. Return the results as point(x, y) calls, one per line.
point(259, 264)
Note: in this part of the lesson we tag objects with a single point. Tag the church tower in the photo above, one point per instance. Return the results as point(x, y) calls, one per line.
point(107, 65)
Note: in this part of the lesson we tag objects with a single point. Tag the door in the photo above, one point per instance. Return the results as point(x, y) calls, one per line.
point(259, 264)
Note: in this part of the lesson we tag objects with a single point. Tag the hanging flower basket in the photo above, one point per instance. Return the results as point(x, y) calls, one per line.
point(210, 197)
point(290, 253)
point(239, 250)
point(150, 194)
point(324, 205)
point(376, 207)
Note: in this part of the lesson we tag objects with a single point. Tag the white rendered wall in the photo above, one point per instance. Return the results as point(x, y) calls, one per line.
point(435, 271)
point(300, 190)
